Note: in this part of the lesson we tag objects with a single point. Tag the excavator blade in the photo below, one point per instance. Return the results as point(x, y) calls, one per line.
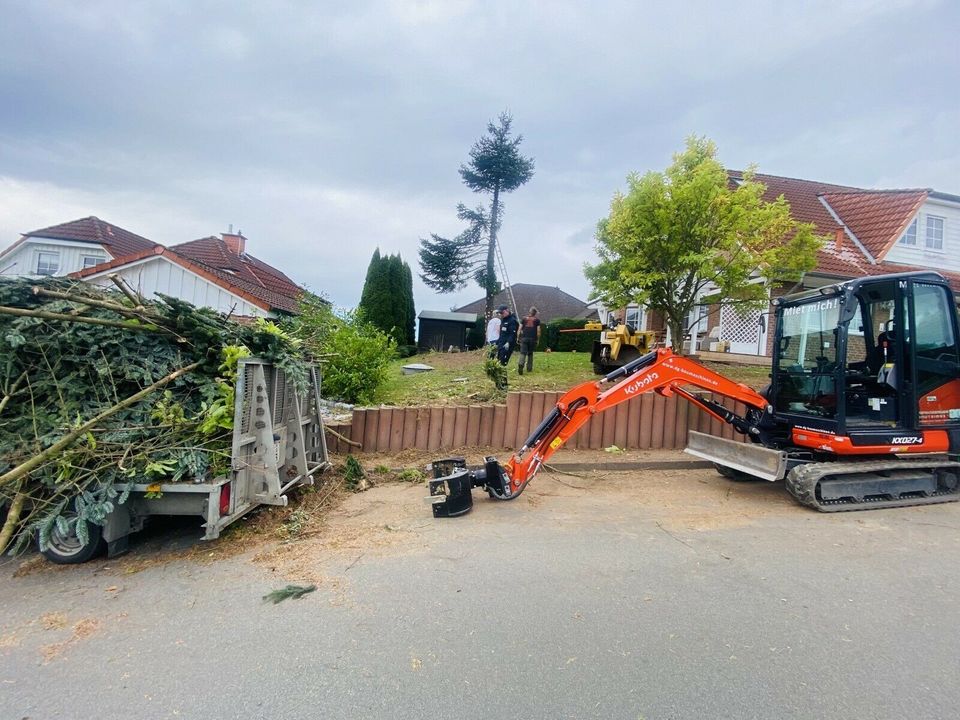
point(745, 457)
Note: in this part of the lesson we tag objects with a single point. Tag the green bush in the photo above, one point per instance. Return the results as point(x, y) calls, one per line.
point(355, 354)
point(567, 342)
point(477, 335)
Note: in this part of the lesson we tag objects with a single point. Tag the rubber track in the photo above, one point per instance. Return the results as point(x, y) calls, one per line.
point(803, 480)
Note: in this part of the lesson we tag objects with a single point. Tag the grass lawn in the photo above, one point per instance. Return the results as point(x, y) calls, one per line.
point(458, 378)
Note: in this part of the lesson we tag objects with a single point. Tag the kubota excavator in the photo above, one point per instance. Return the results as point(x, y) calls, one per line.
point(862, 412)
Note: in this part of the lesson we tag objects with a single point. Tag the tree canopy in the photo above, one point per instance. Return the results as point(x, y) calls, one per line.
point(495, 166)
point(387, 298)
point(678, 233)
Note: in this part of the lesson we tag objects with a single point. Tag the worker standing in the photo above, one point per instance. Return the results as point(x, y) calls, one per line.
point(529, 339)
point(508, 334)
point(493, 333)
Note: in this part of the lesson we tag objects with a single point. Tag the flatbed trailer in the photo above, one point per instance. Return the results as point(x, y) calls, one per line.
point(278, 444)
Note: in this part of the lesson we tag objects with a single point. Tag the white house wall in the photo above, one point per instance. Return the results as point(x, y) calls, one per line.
point(23, 259)
point(920, 255)
point(159, 275)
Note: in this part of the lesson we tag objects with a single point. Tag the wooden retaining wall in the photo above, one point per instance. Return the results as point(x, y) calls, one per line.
point(650, 422)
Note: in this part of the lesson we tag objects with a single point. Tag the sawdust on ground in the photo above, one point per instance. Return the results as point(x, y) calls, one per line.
point(392, 518)
point(82, 630)
point(326, 529)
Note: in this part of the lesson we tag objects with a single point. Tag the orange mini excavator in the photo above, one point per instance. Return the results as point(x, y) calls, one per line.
point(862, 411)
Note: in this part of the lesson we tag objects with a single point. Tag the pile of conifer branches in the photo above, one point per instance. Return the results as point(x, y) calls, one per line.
point(100, 389)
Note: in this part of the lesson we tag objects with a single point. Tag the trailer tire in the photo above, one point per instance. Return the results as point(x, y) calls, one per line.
point(67, 549)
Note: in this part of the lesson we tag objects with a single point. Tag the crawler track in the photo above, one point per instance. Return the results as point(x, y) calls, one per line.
point(870, 485)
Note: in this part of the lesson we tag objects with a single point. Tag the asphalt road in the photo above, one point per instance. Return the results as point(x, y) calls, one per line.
point(639, 595)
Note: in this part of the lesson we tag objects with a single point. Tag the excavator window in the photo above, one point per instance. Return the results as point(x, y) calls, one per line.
point(935, 342)
point(807, 358)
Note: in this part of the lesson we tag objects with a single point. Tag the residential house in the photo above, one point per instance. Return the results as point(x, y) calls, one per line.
point(868, 232)
point(551, 303)
point(210, 272)
point(70, 247)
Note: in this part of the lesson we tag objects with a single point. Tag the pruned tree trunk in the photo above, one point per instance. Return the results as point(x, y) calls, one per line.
point(494, 215)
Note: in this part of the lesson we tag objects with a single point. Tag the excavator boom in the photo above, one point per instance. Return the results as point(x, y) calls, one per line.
point(659, 371)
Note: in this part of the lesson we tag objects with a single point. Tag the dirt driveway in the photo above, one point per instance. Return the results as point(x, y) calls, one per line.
point(640, 594)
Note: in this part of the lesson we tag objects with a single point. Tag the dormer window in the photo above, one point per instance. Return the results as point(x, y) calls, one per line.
point(48, 263)
point(909, 236)
point(91, 260)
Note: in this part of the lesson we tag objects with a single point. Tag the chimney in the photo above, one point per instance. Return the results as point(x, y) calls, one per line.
point(235, 242)
point(838, 235)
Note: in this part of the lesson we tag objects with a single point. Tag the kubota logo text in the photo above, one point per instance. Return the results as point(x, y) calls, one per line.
point(640, 384)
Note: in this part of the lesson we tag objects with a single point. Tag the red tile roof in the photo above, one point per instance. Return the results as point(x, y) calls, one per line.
point(242, 271)
point(91, 229)
point(877, 218)
point(803, 196)
point(245, 276)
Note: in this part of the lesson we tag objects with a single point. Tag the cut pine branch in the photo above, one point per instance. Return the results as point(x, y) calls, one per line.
point(137, 310)
point(12, 390)
point(13, 518)
point(24, 469)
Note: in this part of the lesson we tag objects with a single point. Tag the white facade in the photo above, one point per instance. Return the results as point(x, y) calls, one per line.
point(37, 257)
point(157, 274)
point(936, 223)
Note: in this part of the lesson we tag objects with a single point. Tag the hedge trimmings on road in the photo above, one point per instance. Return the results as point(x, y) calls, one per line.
point(100, 389)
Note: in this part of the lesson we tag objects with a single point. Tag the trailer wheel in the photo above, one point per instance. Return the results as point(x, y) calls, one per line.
point(66, 549)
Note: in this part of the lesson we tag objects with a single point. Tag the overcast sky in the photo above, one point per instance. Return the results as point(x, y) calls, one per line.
point(325, 130)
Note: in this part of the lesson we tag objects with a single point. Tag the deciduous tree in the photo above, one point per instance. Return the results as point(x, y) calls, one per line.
point(679, 232)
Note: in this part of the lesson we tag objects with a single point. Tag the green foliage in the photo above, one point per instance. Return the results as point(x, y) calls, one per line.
point(448, 265)
point(387, 299)
point(495, 167)
point(496, 164)
point(352, 473)
point(676, 233)
point(294, 525)
point(411, 475)
point(57, 374)
point(356, 354)
point(477, 335)
point(496, 372)
point(290, 591)
point(568, 341)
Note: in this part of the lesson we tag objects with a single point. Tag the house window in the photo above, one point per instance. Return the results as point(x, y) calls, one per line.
point(934, 232)
point(48, 263)
point(90, 260)
point(909, 236)
point(634, 318)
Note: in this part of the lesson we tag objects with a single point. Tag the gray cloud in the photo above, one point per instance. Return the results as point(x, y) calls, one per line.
point(324, 130)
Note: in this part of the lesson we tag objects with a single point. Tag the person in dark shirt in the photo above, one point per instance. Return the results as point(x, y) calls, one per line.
point(529, 338)
point(508, 334)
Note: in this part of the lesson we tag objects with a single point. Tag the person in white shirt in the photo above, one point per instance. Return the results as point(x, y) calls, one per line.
point(493, 329)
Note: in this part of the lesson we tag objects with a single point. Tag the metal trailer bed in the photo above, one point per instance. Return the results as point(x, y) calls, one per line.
point(278, 444)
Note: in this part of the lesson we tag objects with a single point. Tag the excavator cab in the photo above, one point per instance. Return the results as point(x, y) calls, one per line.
point(873, 359)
